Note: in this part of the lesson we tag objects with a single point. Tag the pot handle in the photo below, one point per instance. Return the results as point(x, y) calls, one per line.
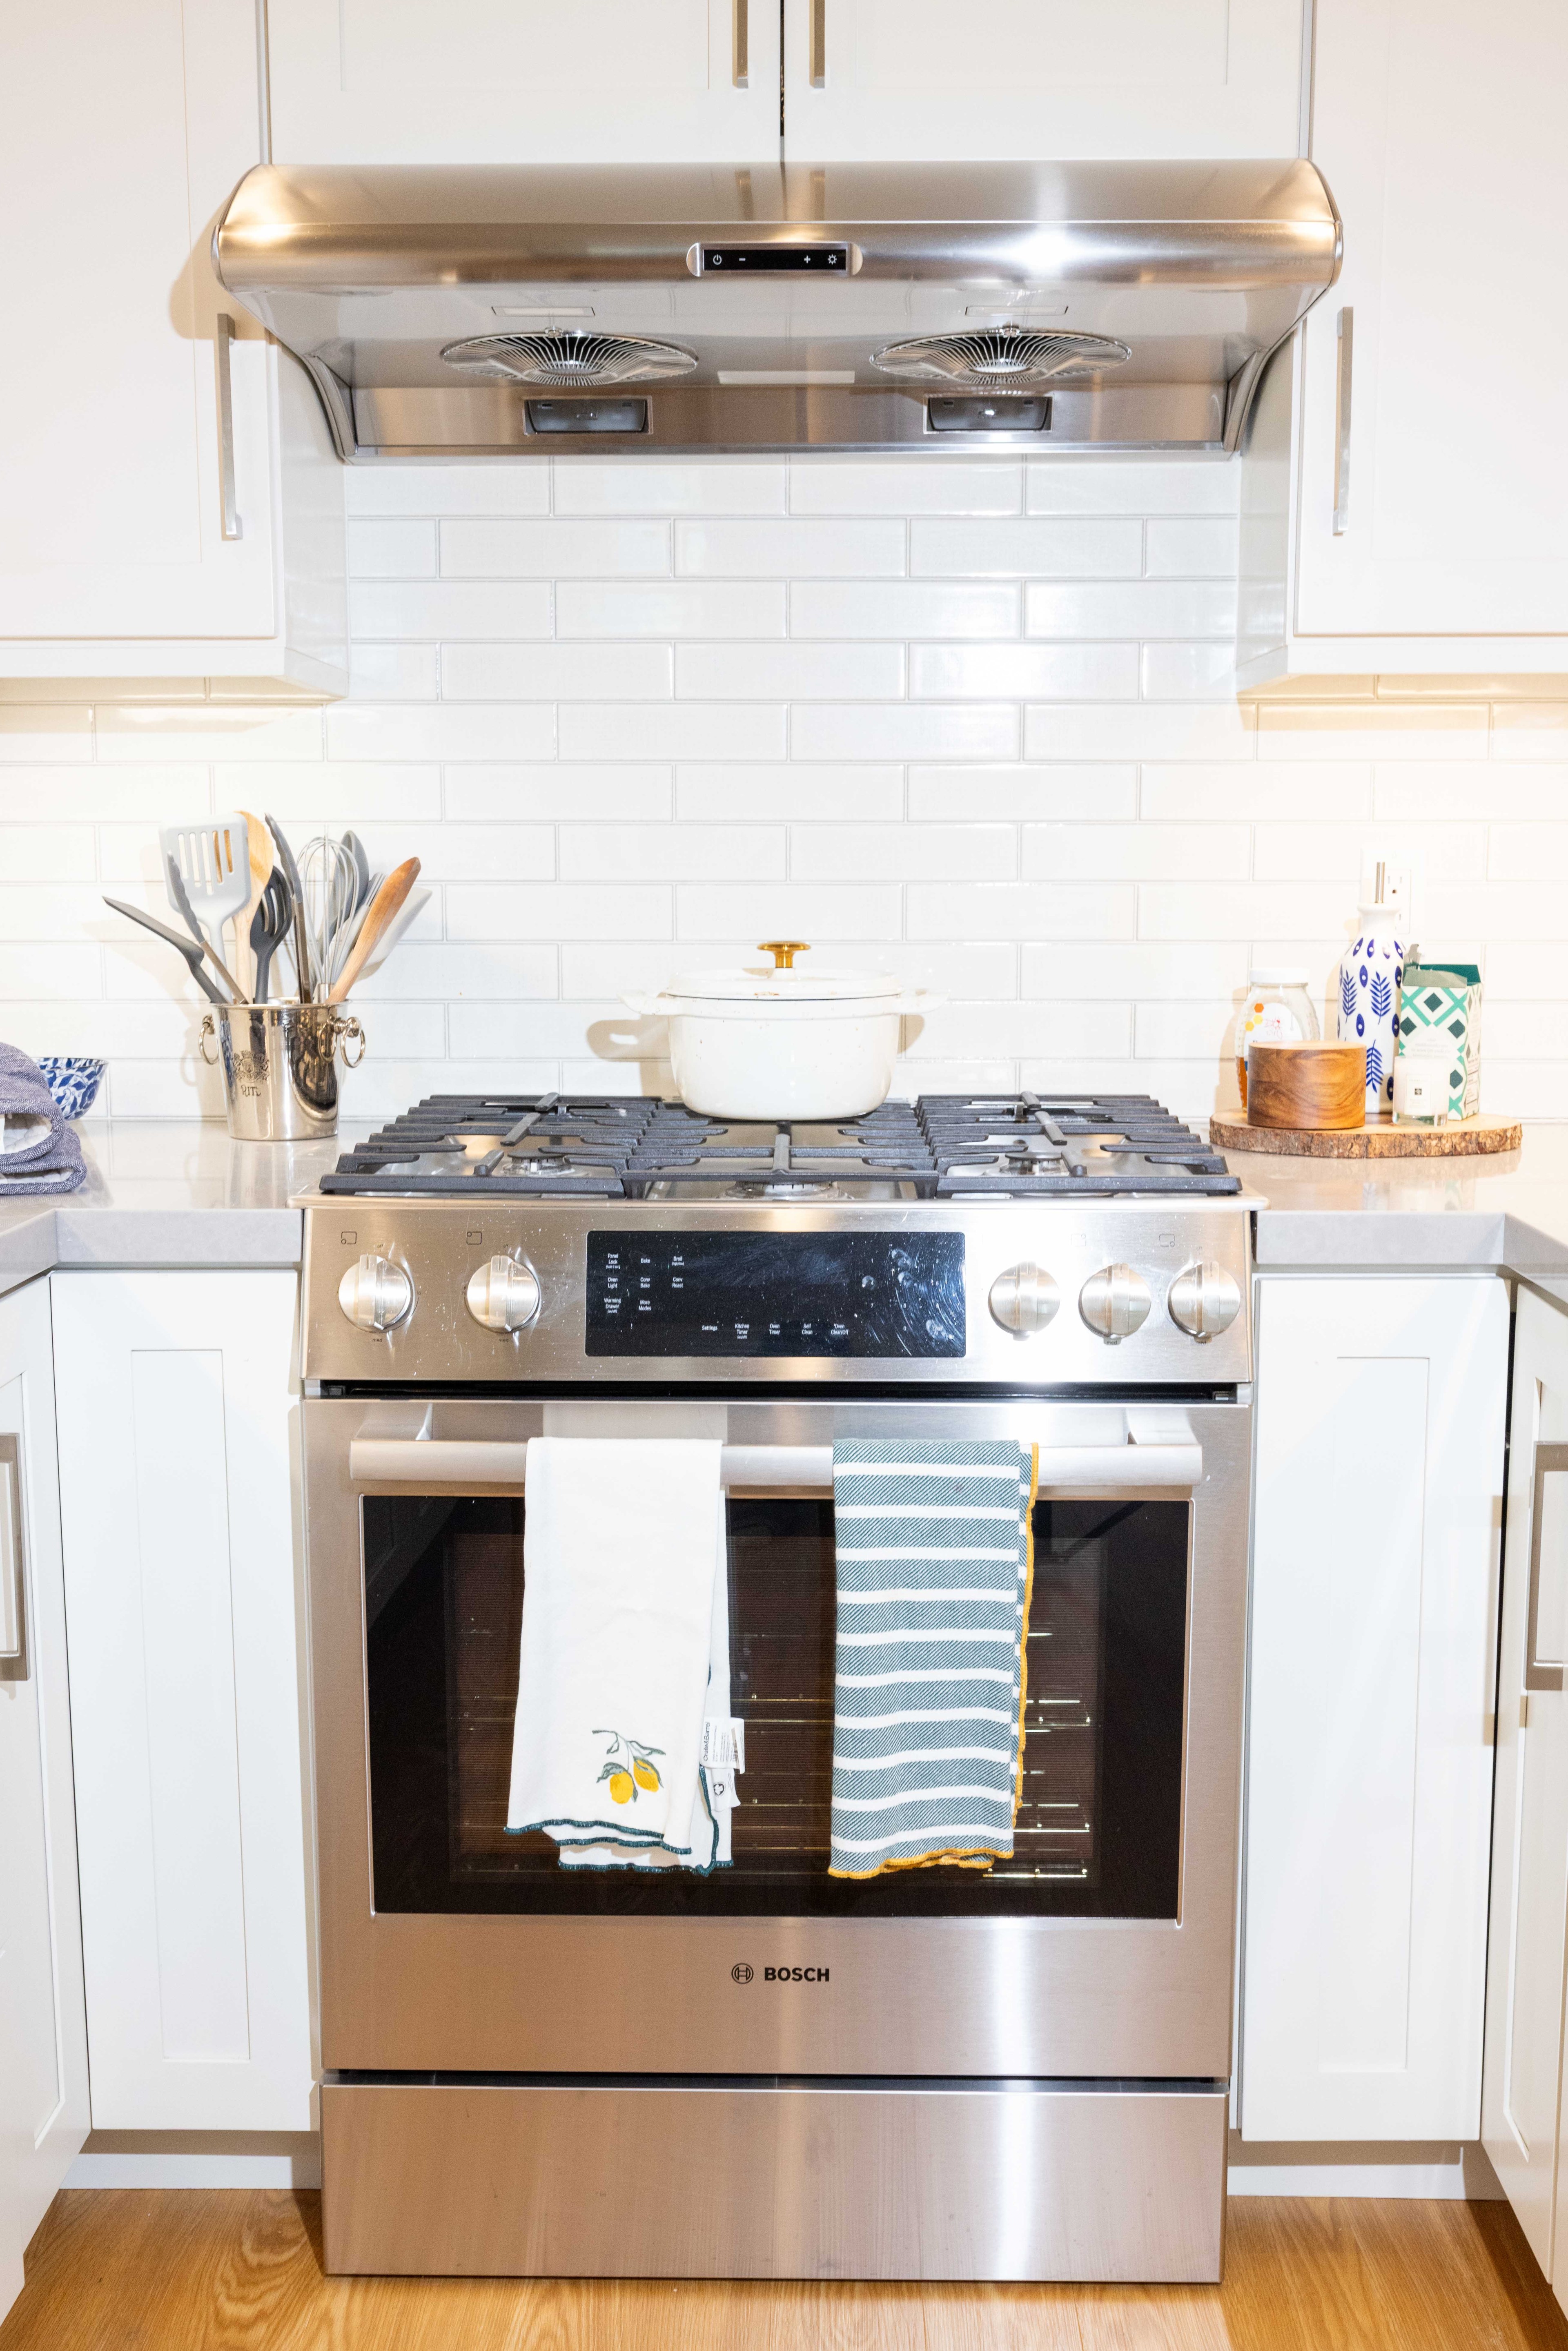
point(648, 1008)
point(918, 999)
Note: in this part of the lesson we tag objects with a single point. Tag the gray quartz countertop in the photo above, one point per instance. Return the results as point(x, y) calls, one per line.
point(170, 1194)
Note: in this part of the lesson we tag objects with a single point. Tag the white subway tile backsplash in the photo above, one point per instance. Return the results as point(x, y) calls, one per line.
point(391, 550)
point(792, 671)
point(790, 550)
point(1091, 485)
point(928, 730)
point(673, 730)
point(449, 609)
point(488, 550)
point(1022, 910)
point(1031, 790)
point(922, 486)
point(671, 852)
point(587, 485)
point(1022, 550)
point(1136, 852)
point(911, 608)
point(669, 608)
point(1130, 608)
point(913, 852)
point(970, 722)
point(555, 673)
point(549, 792)
point(1025, 672)
point(799, 792)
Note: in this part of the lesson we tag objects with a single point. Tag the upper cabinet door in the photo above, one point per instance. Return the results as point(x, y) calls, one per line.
point(524, 82)
point(1439, 127)
point(874, 80)
point(122, 132)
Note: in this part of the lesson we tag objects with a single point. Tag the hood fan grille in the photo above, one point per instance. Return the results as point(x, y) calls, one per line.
point(561, 362)
point(1002, 359)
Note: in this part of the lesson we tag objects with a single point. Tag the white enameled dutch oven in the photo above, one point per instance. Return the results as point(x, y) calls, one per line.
point(782, 1044)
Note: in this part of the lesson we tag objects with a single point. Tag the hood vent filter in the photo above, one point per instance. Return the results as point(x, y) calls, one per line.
point(561, 361)
point(1002, 359)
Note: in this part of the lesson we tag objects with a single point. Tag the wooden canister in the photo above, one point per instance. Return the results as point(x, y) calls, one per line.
point(1319, 1086)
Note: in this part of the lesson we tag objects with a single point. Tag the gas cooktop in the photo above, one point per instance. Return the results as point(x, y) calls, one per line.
point(940, 1147)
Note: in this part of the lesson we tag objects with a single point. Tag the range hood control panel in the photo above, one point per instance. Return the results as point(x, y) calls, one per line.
point(753, 260)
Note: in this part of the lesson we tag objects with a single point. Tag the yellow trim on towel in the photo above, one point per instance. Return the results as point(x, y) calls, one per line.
point(1023, 1628)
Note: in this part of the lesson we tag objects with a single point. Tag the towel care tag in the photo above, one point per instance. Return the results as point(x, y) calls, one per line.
point(724, 1742)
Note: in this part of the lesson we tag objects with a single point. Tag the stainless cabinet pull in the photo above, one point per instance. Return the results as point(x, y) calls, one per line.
point(742, 40)
point(14, 1664)
point(224, 337)
point(1342, 424)
point(819, 60)
point(1550, 1461)
point(489, 1461)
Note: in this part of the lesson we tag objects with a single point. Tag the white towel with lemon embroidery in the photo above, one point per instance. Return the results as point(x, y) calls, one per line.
point(619, 1556)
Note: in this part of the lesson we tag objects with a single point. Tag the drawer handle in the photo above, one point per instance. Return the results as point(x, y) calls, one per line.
point(232, 526)
point(1550, 1461)
point(13, 1666)
point(487, 1461)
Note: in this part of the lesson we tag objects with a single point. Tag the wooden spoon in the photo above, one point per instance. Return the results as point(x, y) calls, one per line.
point(387, 902)
point(262, 858)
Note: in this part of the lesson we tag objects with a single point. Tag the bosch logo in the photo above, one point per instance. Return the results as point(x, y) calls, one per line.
point(740, 1972)
point(794, 1975)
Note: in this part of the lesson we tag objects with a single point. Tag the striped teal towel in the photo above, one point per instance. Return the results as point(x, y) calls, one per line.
point(935, 1559)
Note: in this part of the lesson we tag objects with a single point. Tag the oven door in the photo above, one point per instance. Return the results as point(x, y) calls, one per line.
point(1103, 1947)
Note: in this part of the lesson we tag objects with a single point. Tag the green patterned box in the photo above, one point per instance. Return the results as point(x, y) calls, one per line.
point(1435, 1024)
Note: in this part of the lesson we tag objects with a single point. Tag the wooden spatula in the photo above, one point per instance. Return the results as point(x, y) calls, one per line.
point(387, 902)
point(262, 858)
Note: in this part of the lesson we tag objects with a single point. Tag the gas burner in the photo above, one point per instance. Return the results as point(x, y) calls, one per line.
point(943, 1146)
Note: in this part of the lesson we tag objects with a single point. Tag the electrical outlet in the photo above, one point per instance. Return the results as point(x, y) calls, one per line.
point(1385, 885)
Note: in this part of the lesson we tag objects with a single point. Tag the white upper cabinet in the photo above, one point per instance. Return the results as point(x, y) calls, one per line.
point(1407, 505)
point(139, 538)
point(524, 82)
point(1369, 1773)
point(869, 80)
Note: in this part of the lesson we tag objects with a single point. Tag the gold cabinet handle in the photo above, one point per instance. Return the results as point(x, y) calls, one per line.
point(1342, 424)
point(225, 334)
point(741, 38)
point(819, 57)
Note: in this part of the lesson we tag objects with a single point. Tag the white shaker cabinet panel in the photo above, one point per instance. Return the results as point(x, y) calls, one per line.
point(915, 81)
point(1378, 1496)
point(524, 82)
point(1398, 522)
point(43, 2031)
point(182, 1568)
point(1520, 2116)
point(140, 538)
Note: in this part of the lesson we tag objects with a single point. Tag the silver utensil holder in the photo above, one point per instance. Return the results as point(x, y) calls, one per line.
point(280, 1067)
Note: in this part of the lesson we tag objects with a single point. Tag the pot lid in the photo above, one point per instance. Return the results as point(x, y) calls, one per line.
point(781, 984)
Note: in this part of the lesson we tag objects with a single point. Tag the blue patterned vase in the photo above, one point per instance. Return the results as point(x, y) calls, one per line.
point(1371, 972)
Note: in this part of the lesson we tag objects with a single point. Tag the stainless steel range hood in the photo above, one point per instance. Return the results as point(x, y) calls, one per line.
point(468, 311)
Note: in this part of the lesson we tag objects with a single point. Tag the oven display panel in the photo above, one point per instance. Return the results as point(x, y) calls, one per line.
point(864, 1295)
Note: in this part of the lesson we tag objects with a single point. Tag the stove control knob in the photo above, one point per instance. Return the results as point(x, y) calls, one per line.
point(376, 1294)
point(1205, 1300)
point(1116, 1302)
point(503, 1293)
point(1023, 1300)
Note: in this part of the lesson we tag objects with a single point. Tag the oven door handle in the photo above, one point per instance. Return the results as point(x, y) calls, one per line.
point(442, 1461)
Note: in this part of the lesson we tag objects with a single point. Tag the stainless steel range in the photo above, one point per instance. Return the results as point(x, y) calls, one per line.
point(767, 2070)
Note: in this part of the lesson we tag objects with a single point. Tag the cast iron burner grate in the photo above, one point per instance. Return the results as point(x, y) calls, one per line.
point(626, 1147)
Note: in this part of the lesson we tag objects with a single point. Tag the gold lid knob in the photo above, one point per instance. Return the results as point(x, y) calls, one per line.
point(783, 951)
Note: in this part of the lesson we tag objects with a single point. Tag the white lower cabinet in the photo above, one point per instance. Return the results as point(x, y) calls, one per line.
point(43, 2034)
point(1520, 2119)
point(183, 1579)
point(1379, 1481)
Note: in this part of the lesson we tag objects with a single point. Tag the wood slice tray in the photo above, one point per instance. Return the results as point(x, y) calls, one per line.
point(1462, 1138)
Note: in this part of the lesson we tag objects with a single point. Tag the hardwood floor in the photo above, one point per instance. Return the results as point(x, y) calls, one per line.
point(237, 2270)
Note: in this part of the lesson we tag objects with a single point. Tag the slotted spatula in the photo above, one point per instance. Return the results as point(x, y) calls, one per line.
point(214, 862)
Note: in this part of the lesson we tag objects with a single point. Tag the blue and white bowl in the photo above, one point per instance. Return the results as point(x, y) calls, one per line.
point(73, 1081)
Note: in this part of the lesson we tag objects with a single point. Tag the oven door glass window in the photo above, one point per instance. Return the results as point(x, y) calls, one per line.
point(1099, 1826)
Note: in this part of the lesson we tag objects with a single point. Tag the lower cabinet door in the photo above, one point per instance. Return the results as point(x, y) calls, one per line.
point(182, 1575)
point(43, 2033)
point(1520, 2112)
point(1378, 1494)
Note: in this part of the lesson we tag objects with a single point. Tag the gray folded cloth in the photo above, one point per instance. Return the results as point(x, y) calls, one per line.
point(38, 1152)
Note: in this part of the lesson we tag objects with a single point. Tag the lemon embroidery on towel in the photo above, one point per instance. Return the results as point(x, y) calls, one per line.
point(628, 1767)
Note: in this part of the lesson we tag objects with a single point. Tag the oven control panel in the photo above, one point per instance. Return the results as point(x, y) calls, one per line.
point(782, 1293)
